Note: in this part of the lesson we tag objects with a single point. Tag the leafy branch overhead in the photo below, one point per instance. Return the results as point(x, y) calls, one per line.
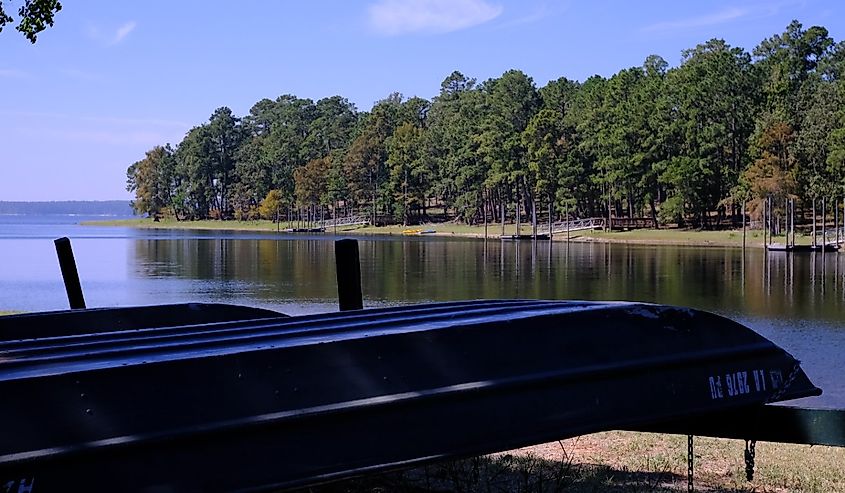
point(35, 16)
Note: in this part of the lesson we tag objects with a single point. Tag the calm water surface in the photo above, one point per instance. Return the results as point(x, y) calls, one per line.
point(798, 301)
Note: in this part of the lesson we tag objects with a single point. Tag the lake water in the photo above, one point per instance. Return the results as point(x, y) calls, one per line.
point(796, 300)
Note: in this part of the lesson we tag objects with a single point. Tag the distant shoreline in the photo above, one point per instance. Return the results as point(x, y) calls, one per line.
point(657, 237)
point(115, 208)
point(70, 214)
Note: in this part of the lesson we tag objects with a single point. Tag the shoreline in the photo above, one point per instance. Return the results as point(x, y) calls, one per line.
point(646, 237)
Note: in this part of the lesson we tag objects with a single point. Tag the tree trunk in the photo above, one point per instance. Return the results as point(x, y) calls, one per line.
point(405, 200)
point(765, 221)
point(654, 213)
point(824, 222)
point(484, 210)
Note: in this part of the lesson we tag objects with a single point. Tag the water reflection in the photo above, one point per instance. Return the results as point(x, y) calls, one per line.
point(785, 286)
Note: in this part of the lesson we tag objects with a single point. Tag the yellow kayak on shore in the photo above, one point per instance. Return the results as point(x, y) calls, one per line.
point(418, 231)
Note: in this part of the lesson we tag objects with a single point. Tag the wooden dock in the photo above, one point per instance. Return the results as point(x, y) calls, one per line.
point(304, 230)
point(780, 247)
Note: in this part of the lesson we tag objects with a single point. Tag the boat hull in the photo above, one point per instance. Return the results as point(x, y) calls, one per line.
point(293, 401)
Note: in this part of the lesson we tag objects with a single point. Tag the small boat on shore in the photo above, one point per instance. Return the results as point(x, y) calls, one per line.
point(263, 401)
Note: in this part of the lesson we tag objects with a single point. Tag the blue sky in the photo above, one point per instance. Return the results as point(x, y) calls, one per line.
point(114, 78)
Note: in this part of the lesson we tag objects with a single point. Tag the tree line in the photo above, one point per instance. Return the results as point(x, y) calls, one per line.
point(684, 145)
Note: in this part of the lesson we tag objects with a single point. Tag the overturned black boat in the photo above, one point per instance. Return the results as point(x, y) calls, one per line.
point(264, 401)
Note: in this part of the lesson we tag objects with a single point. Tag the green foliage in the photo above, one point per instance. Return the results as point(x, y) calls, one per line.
point(686, 141)
point(152, 180)
point(409, 170)
point(545, 148)
point(672, 211)
point(512, 101)
point(716, 96)
point(453, 122)
point(786, 61)
point(836, 157)
point(35, 16)
point(365, 163)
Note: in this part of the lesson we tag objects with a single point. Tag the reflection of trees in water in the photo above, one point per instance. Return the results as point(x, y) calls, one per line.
point(795, 285)
point(806, 285)
point(274, 269)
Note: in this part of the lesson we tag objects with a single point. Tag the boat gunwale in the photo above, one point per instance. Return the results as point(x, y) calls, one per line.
point(187, 346)
point(289, 320)
point(285, 322)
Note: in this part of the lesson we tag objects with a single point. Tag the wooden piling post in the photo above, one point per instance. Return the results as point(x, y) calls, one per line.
point(824, 222)
point(786, 221)
point(765, 222)
point(484, 211)
point(814, 222)
point(502, 207)
point(789, 225)
point(348, 275)
point(743, 224)
point(69, 273)
point(568, 224)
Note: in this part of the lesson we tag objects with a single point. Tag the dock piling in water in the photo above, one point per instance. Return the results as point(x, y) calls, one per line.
point(69, 273)
point(348, 275)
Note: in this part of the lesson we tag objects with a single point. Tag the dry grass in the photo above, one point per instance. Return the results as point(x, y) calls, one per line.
point(618, 462)
point(719, 463)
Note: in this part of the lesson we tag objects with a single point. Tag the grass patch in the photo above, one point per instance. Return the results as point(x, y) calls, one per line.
point(441, 229)
point(494, 230)
point(8, 312)
point(447, 228)
point(618, 462)
point(676, 237)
